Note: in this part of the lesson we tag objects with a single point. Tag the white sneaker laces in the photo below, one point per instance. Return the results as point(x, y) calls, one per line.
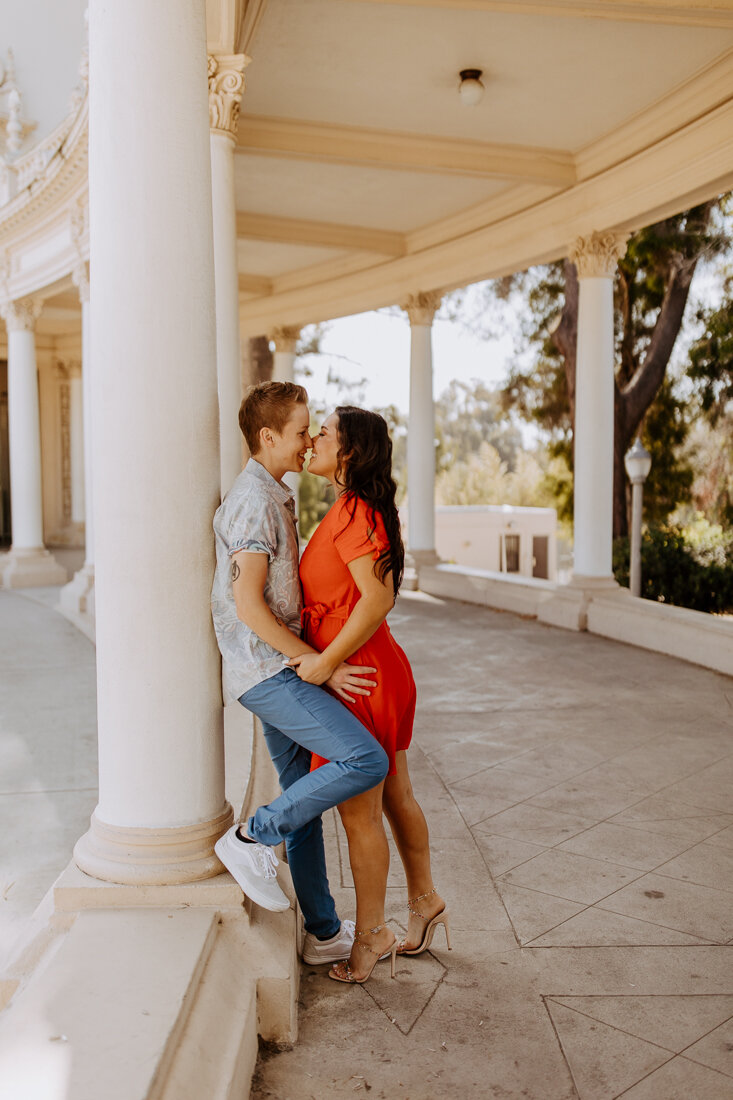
point(267, 860)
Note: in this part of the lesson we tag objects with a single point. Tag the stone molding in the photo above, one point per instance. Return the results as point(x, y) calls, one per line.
point(226, 85)
point(139, 856)
point(64, 372)
point(422, 307)
point(22, 314)
point(80, 279)
point(597, 255)
point(79, 224)
point(285, 337)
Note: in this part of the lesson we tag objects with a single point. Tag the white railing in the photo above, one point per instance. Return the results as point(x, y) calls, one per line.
point(694, 636)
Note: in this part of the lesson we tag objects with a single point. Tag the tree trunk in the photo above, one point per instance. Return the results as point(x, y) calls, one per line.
point(565, 336)
point(257, 366)
point(257, 361)
point(621, 441)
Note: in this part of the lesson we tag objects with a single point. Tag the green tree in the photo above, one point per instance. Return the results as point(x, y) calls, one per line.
point(483, 477)
point(651, 291)
point(467, 415)
point(711, 357)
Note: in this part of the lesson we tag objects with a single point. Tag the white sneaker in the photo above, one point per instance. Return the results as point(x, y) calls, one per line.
point(316, 952)
point(254, 868)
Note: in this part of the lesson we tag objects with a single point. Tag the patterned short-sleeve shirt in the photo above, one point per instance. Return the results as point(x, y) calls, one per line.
point(258, 515)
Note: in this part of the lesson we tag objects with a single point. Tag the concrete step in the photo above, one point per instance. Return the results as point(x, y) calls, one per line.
point(150, 1004)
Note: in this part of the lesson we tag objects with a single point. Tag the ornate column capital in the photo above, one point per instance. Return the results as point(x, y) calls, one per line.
point(80, 279)
point(22, 314)
point(285, 337)
point(596, 256)
point(422, 307)
point(66, 369)
point(226, 84)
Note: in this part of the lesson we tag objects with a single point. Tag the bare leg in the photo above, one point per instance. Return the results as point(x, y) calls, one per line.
point(410, 831)
point(369, 858)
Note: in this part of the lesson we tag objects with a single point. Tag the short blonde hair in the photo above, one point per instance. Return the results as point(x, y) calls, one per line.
point(268, 405)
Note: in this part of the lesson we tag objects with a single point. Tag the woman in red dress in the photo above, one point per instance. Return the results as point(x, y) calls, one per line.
point(351, 572)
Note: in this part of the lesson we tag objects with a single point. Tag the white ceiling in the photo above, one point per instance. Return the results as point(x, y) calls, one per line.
point(390, 66)
point(272, 258)
point(364, 196)
point(552, 82)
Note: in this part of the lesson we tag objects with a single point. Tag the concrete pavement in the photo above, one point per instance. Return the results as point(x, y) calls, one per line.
point(580, 802)
point(580, 798)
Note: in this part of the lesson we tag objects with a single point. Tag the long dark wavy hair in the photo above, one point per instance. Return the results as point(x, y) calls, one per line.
point(365, 471)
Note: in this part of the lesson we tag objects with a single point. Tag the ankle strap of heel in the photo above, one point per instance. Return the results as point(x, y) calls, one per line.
point(420, 897)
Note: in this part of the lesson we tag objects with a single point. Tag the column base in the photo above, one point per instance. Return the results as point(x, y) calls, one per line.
point(151, 857)
point(35, 568)
point(77, 597)
point(73, 536)
point(414, 561)
point(568, 607)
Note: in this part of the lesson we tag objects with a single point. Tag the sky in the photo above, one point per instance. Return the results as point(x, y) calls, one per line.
point(376, 347)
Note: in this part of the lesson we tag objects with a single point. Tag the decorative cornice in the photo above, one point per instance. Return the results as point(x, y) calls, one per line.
point(596, 256)
point(21, 315)
point(226, 84)
point(79, 231)
point(49, 173)
point(80, 279)
point(285, 337)
point(79, 222)
point(422, 307)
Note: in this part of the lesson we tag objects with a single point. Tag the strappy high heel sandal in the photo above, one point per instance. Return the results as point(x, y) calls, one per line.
point(348, 974)
point(431, 923)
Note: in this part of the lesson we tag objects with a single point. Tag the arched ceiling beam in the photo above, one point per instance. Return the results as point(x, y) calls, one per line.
point(266, 227)
point(254, 284)
point(684, 169)
point(388, 149)
point(703, 13)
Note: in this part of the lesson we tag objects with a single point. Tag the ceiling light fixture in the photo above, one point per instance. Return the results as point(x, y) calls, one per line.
point(471, 90)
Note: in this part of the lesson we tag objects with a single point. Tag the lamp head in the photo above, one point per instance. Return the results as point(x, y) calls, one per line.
point(470, 89)
point(638, 463)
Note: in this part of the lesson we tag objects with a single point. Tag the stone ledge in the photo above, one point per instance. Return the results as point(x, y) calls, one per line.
point(149, 1003)
point(693, 636)
point(501, 591)
point(102, 1016)
point(74, 891)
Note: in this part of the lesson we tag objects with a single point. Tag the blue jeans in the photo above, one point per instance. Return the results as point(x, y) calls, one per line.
point(298, 719)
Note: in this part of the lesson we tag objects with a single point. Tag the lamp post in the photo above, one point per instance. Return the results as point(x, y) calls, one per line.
point(638, 463)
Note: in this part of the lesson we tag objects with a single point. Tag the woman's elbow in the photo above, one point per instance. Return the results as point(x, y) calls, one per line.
point(381, 606)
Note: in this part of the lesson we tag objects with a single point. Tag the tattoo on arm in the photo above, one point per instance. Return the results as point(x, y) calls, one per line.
point(235, 571)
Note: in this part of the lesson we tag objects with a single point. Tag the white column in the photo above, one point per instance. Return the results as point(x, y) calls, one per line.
point(226, 84)
point(421, 309)
point(77, 597)
point(28, 564)
point(595, 257)
point(285, 339)
point(155, 447)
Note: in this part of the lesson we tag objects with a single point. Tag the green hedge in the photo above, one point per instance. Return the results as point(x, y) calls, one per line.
point(679, 568)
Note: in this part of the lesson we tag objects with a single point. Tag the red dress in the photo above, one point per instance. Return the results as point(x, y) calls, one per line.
point(330, 595)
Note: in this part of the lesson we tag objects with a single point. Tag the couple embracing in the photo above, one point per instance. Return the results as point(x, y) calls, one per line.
point(309, 652)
